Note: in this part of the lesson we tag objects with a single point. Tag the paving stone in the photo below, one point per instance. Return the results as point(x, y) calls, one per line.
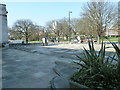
point(65, 69)
point(38, 74)
point(29, 70)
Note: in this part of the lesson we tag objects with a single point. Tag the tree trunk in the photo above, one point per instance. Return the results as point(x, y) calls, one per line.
point(66, 37)
point(26, 38)
point(99, 40)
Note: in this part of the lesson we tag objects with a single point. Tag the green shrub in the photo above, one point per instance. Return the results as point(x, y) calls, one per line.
point(117, 49)
point(97, 71)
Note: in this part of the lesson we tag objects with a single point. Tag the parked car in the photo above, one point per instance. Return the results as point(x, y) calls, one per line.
point(74, 41)
point(15, 41)
point(91, 40)
point(77, 41)
point(81, 41)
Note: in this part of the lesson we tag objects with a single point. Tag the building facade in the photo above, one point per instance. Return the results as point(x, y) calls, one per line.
point(3, 24)
point(113, 32)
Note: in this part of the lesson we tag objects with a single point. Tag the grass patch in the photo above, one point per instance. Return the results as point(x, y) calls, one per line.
point(35, 41)
point(111, 39)
point(63, 40)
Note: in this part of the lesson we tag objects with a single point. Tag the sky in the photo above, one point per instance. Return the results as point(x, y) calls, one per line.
point(42, 12)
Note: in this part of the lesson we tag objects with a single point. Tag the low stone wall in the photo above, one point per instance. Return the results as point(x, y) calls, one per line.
point(64, 71)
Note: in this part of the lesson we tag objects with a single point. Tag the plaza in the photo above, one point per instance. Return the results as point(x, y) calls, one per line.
point(31, 66)
point(59, 53)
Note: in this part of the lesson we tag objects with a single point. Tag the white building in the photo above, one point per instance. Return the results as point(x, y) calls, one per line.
point(3, 24)
point(112, 32)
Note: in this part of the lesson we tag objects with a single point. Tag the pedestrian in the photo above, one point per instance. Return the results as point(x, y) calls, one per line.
point(43, 41)
point(22, 42)
point(46, 41)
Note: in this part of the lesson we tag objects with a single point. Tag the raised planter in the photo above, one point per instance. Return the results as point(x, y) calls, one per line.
point(64, 71)
point(62, 82)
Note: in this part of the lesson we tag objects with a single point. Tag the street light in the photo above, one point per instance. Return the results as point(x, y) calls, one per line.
point(69, 26)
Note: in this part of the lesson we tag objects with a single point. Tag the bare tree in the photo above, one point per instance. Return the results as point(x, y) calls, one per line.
point(24, 27)
point(100, 15)
point(13, 34)
point(36, 33)
point(62, 28)
point(75, 23)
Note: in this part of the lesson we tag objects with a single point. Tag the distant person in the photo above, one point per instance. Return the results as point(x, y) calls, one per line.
point(57, 40)
point(23, 42)
point(78, 38)
point(44, 41)
point(52, 40)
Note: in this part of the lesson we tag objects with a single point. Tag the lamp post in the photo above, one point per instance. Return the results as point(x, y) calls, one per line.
point(69, 25)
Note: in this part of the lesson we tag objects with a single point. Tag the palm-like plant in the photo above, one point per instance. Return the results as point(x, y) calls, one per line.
point(96, 70)
point(117, 49)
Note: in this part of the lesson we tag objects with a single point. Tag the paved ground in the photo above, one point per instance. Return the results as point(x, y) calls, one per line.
point(80, 46)
point(31, 66)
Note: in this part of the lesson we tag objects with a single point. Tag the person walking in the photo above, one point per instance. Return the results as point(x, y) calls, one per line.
point(44, 41)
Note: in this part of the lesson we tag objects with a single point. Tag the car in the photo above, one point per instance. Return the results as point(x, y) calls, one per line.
point(10, 41)
point(91, 40)
point(15, 41)
point(74, 41)
point(77, 41)
point(80, 41)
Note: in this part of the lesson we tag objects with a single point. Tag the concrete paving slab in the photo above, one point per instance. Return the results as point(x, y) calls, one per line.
point(23, 69)
point(31, 66)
